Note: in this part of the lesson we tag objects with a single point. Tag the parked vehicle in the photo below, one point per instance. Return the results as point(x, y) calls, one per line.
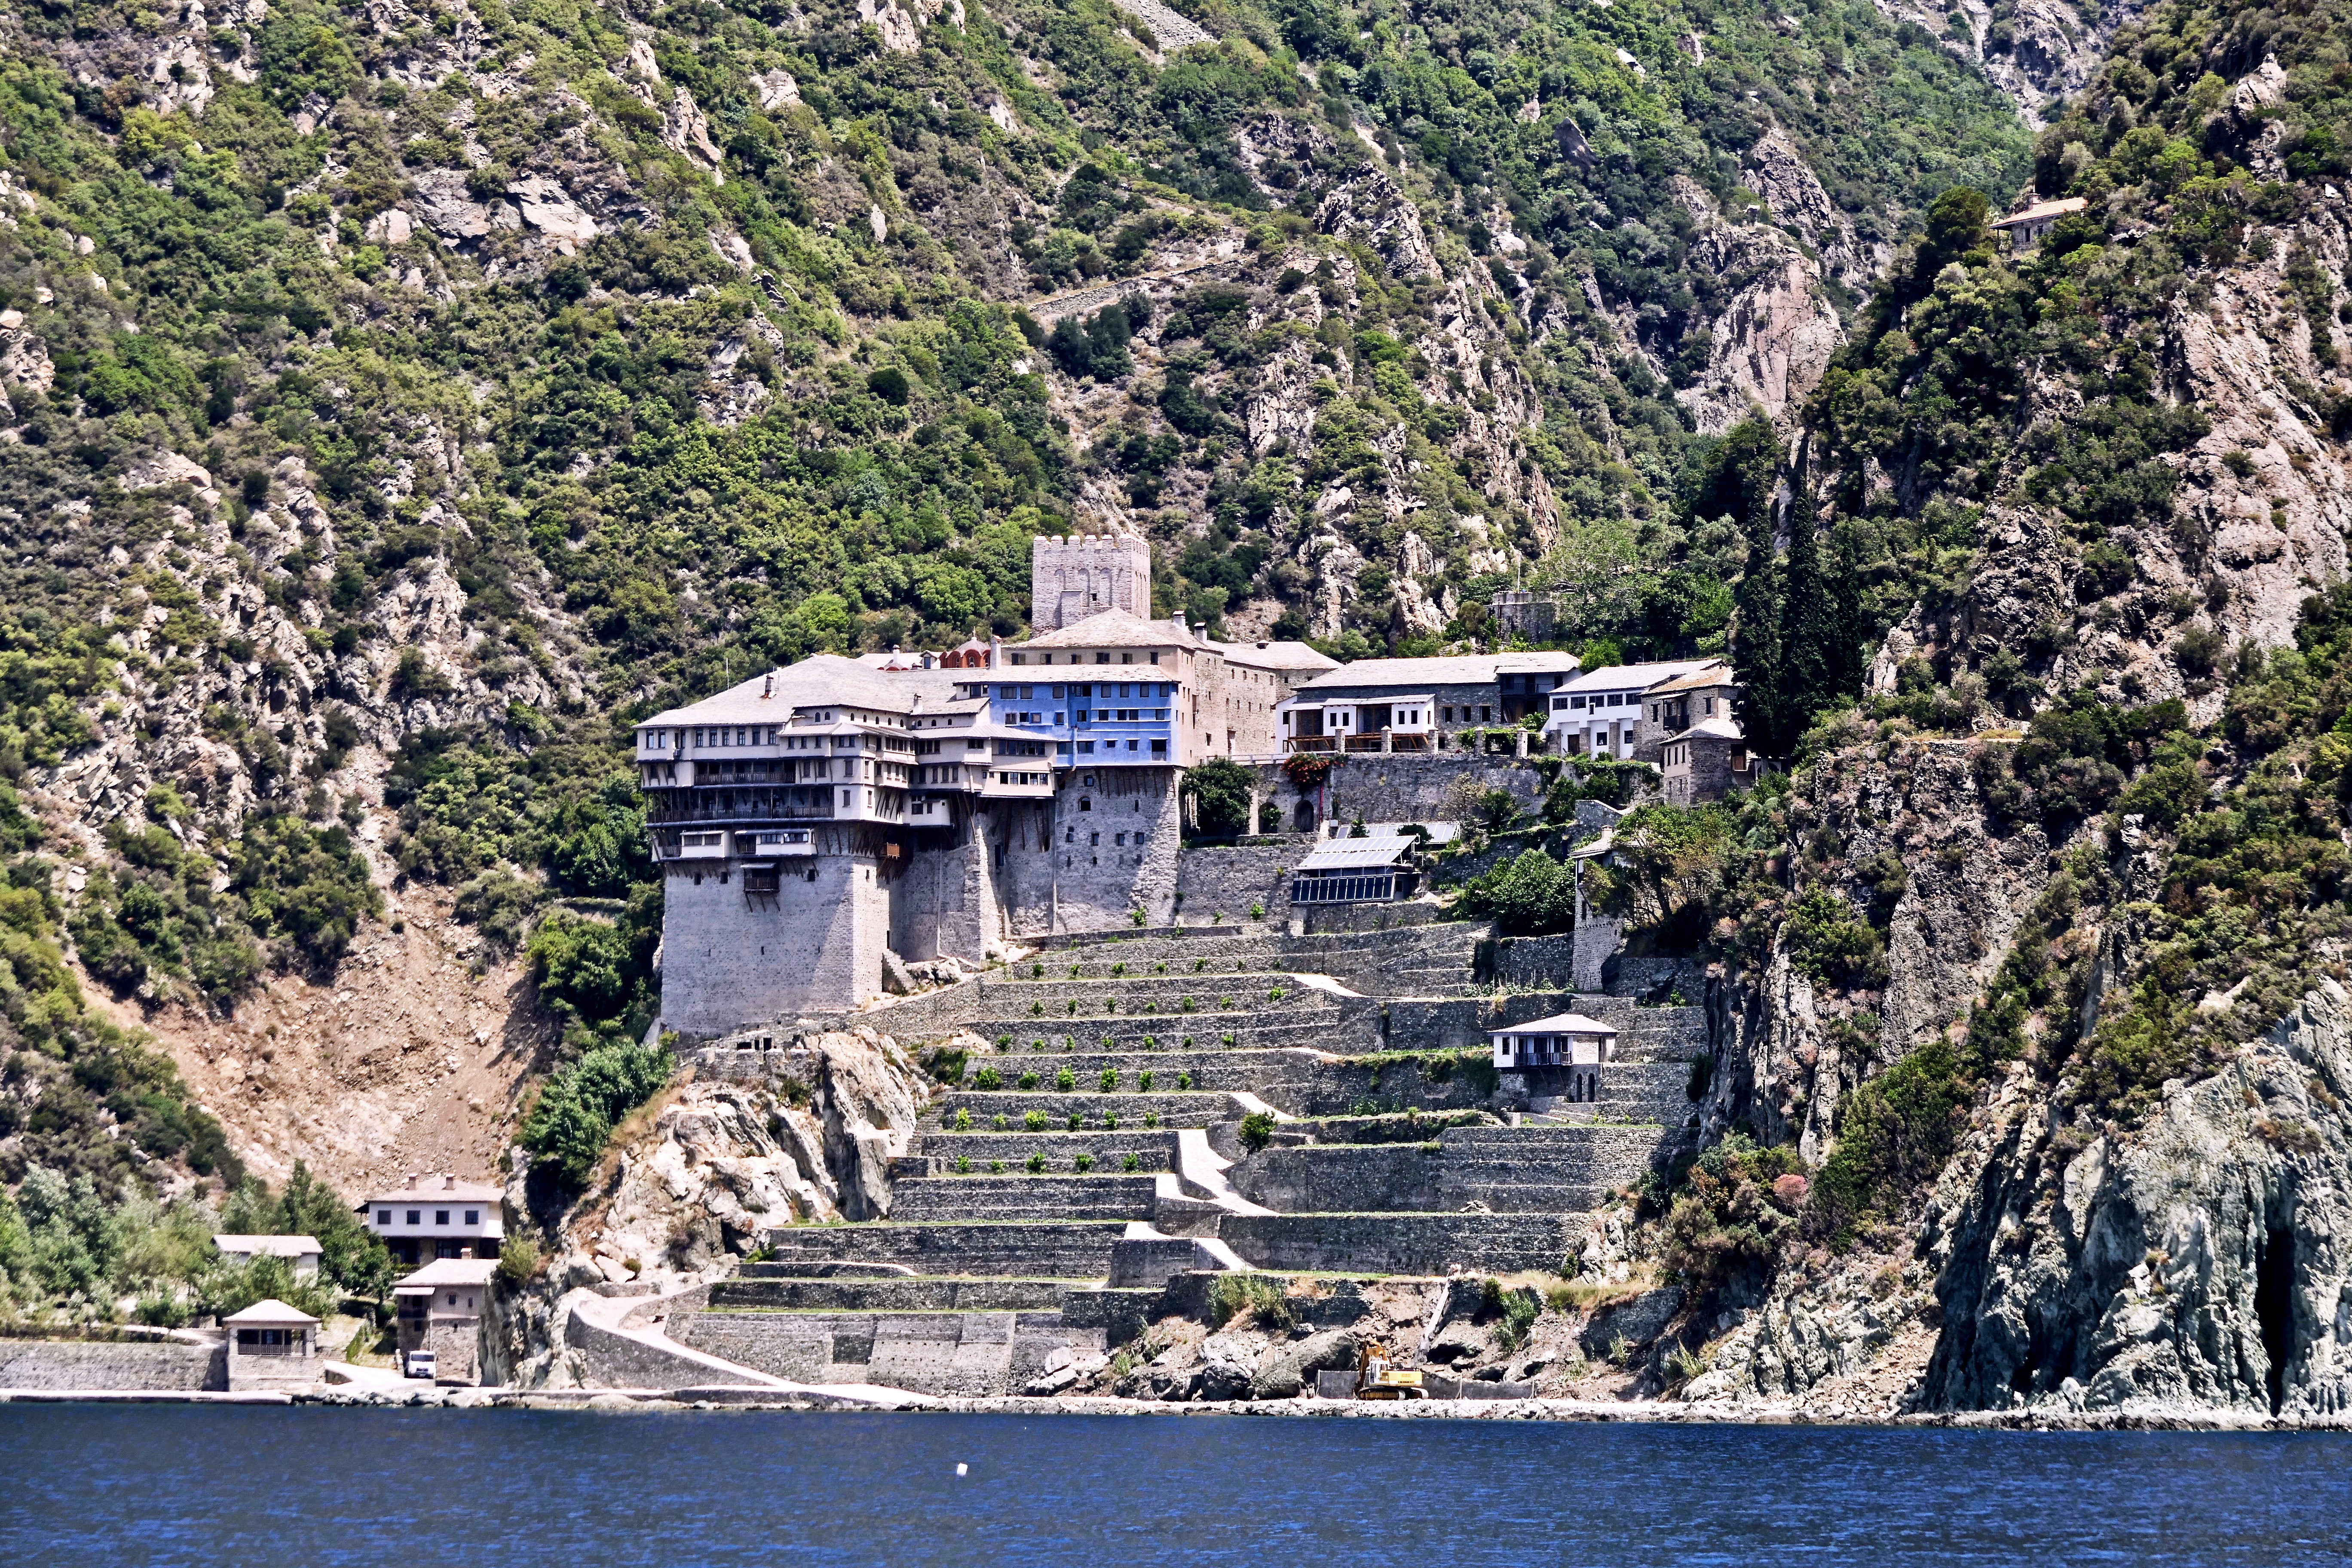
point(421, 1364)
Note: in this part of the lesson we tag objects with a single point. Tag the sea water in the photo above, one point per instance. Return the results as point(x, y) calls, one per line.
point(317, 1486)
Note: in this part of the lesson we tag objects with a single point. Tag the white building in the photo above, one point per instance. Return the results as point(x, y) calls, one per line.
point(1608, 712)
point(301, 1252)
point(1571, 1041)
point(432, 1217)
point(271, 1345)
point(439, 1308)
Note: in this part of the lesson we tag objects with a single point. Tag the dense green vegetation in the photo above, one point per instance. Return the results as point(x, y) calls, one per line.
point(571, 1120)
point(77, 1248)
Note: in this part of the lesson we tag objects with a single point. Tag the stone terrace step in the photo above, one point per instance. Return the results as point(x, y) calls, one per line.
point(1058, 1249)
point(1269, 1029)
point(1195, 1110)
point(935, 1153)
point(1238, 1068)
point(1023, 1196)
point(1644, 1091)
point(900, 1295)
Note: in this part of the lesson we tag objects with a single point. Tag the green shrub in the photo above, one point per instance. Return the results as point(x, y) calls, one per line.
point(1036, 1162)
point(1084, 1162)
point(1151, 1119)
point(963, 1165)
point(988, 1080)
point(1107, 1080)
point(1895, 1134)
point(1257, 1131)
point(1066, 1080)
point(1133, 1162)
point(577, 1108)
point(517, 1260)
point(1533, 895)
point(963, 1120)
point(1028, 1081)
point(1827, 943)
point(1143, 1081)
point(1034, 1121)
point(1258, 1297)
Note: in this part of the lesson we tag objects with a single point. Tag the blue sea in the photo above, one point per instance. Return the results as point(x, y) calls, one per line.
point(258, 1485)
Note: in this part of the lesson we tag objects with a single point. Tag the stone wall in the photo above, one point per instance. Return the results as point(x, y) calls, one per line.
point(1059, 867)
point(1340, 1178)
point(96, 1364)
point(975, 1354)
point(1403, 1243)
point(1227, 879)
point(730, 958)
point(1406, 787)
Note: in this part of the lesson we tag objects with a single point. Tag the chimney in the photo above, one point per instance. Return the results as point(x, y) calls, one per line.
point(995, 652)
point(448, 1184)
point(410, 1185)
point(768, 687)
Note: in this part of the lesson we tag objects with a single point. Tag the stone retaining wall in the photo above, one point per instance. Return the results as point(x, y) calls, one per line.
point(126, 1365)
point(1226, 880)
point(1403, 1243)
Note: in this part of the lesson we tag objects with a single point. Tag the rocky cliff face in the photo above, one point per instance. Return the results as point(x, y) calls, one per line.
point(695, 1177)
point(2194, 1266)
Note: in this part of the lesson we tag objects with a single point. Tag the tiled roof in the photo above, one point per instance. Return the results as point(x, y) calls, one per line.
point(437, 1190)
point(1275, 655)
point(268, 1245)
point(770, 697)
point(1559, 1023)
point(1715, 674)
point(1636, 677)
point(1403, 674)
point(1718, 727)
point(454, 1271)
point(2041, 210)
point(268, 1312)
point(1112, 628)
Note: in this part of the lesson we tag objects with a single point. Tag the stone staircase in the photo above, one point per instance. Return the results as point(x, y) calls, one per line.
point(1036, 1219)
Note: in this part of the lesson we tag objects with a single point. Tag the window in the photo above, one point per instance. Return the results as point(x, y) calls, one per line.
point(440, 1216)
point(1085, 803)
point(415, 1216)
point(1057, 693)
point(383, 1216)
point(473, 1217)
point(1086, 747)
point(1093, 839)
point(1119, 839)
point(1485, 715)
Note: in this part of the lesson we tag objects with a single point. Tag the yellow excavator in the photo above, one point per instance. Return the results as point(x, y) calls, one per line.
point(1378, 1377)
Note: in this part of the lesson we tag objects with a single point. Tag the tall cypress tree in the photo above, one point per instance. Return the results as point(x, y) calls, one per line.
point(1755, 653)
point(1845, 598)
point(1809, 628)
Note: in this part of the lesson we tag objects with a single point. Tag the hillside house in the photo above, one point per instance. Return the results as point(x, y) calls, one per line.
point(1627, 710)
point(1708, 761)
point(1571, 1043)
point(431, 1218)
point(301, 1252)
point(2027, 226)
point(439, 1308)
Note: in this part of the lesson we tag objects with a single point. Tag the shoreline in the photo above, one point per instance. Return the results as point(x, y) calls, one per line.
point(748, 1398)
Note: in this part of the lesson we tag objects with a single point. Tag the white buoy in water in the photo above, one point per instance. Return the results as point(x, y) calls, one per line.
point(961, 1468)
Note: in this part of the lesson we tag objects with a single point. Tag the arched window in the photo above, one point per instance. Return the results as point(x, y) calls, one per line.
point(1085, 803)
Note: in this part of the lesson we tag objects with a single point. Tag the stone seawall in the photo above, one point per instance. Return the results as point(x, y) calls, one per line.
point(127, 1365)
point(977, 1355)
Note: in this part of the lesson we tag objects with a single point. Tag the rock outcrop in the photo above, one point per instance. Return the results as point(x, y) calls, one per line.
point(2197, 1265)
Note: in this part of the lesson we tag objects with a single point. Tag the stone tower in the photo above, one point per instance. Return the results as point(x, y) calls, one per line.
point(1070, 579)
